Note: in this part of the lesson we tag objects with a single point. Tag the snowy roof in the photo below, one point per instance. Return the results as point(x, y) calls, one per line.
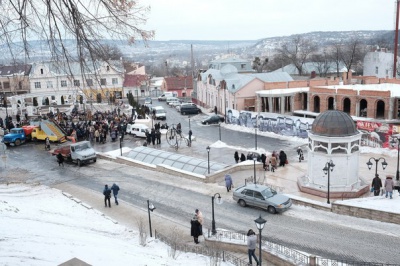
point(273, 76)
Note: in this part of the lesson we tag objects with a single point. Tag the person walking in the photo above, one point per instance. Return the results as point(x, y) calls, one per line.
point(190, 138)
point(115, 189)
point(389, 186)
point(107, 195)
point(242, 157)
point(47, 144)
point(153, 136)
point(236, 156)
point(263, 160)
point(228, 182)
point(251, 246)
point(273, 163)
point(282, 159)
point(196, 229)
point(158, 136)
point(300, 154)
point(376, 184)
point(60, 159)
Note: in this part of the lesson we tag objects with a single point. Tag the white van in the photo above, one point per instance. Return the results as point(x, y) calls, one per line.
point(164, 96)
point(159, 112)
point(137, 130)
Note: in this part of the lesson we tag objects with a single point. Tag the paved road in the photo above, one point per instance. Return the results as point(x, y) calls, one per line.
point(317, 232)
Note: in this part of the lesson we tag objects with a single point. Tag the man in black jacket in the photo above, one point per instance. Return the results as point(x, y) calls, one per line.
point(376, 184)
point(107, 195)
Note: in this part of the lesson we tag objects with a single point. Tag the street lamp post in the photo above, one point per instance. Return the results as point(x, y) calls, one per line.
point(208, 158)
point(396, 140)
point(328, 166)
point(120, 143)
point(219, 201)
point(219, 125)
point(150, 207)
point(189, 121)
point(254, 160)
point(255, 136)
point(369, 164)
point(260, 222)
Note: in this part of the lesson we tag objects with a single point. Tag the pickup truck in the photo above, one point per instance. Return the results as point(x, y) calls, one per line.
point(79, 153)
point(18, 135)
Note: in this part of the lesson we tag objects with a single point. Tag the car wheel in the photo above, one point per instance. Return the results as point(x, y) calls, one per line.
point(271, 209)
point(134, 135)
point(34, 139)
point(94, 160)
point(207, 123)
point(184, 113)
point(242, 203)
point(79, 163)
point(17, 142)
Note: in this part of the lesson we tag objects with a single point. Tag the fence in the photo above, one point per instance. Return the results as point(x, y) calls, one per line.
point(204, 250)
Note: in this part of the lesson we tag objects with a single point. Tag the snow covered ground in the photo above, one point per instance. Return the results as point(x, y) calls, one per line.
point(41, 226)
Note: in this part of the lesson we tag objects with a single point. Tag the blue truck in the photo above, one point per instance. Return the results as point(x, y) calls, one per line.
point(17, 136)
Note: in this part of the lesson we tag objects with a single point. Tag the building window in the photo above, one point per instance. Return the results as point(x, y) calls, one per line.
point(20, 85)
point(108, 68)
point(243, 66)
point(37, 85)
point(387, 72)
point(49, 84)
point(89, 82)
point(41, 71)
point(6, 85)
point(63, 83)
point(376, 70)
point(114, 81)
point(76, 83)
point(103, 81)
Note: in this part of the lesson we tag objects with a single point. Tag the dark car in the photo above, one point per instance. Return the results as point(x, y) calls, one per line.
point(214, 119)
point(191, 108)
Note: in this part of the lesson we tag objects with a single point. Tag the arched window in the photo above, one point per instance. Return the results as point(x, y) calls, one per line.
point(346, 105)
point(316, 104)
point(363, 108)
point(331, 103)
point(380, 109)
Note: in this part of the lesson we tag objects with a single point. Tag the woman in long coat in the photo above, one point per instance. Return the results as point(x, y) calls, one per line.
point(196, 229)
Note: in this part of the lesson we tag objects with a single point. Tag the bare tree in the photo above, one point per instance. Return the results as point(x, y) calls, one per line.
point(334, 55)
point(351, 53)
point(260, 64)
point(297, 51)
point(322, 63)
point(86, 22)
point(108, 52)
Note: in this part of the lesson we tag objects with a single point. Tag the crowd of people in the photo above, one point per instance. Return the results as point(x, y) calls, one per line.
point(269, 163)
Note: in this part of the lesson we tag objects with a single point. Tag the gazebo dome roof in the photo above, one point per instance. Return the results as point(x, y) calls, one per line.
point(334, 123)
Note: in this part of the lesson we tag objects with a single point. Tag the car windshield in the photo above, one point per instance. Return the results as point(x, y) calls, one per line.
point(82, 147)
point(268, 192)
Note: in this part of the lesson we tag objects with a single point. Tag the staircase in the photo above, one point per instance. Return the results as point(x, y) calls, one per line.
point(50, 128)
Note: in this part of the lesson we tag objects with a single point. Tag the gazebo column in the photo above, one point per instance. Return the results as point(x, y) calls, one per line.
point(282, 105)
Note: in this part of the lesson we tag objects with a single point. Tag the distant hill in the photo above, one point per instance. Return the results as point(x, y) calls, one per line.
point(205, 50)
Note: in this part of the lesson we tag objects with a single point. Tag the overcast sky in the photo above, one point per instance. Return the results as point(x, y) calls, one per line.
point(257, 19)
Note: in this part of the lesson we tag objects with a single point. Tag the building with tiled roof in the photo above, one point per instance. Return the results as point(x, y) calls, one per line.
point(14, 79)
point(136, 84)
point(183, 86)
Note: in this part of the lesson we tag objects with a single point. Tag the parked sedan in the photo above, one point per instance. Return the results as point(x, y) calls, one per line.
point(213, 119)
point(263, 197)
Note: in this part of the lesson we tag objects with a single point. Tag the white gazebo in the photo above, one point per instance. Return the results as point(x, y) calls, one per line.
point(333, 139)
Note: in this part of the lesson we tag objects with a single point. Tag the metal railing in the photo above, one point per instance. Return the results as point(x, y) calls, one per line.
point(203, 250)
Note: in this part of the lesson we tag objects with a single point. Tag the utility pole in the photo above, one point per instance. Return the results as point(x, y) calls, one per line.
point(396, 40)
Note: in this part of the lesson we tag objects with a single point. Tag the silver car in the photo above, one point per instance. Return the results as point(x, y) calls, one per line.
point(263, 197)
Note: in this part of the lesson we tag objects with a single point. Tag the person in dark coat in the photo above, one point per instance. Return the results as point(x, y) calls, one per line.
point(282, 158)
point(158, 136)
point(107, 195)
point(148, 137)
point(242, 157)
point(153, 136)
point(236, 156)
point(300, 153)
point(196, 229)
point(115, 189)
point(263, 160)
point(376, 184)
point(190, 138)
point(60, 159)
